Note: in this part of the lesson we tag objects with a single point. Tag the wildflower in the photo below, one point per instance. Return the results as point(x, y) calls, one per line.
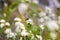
point(53, 35)
point(2, 25)
point(20, 38)
point(20, 25)
point(29, 21)
point(17, 19)
point(22, 7)
point(8, 30)
point(47, 18)
point(2, 20)
point(24, 33)
point(42, 14)
point(7, 24)
point(48, 10)
point(41, 26)
point(58, 17)
point(40, 37)
point(41, 20)
point(52, 25)
point(35, 1)
point(4, 14)
point(11, 35)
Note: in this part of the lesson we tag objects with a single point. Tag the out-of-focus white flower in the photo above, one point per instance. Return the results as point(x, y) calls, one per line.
point(48, 10)
point(17, 29)
point(47, 18)
point(58, 22)
point(20, 25)
point(11, 35)
point(5, 4)
point(41, 20)
point(24, 33)
point(2, 25)
point(42, 27)
point(42, 14)
point(29, 21)
point(22, 7)
point(52, 25)
point(2, 20)
point(53, 35)
point(4, 14)
point(8, 30)
point(58, 17)
point(35, 1)
point(7, 24)
point(40, 37)
point(20, 38)
point(17, 19)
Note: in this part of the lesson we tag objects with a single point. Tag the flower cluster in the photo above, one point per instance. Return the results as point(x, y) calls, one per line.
point(33, 23)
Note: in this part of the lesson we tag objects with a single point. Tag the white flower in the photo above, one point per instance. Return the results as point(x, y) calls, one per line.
point(53, 35)
point(48, 10)
point(52, 25)
point(35, 1)
point(2, 20)
point(7, 24)
point(47, 18)
point(2, 25)
point(41, 26)
point(5, 4)
point(17, 29)
point(4, 14)
point(17, 19)
point(20, 38)
point(58, 22)
point(20, 25)
point(41, 20)
point(58, 17)
point(40, 37)
point(8, 30)
point(11, 35)
point(29, 21)
point(24, 33)
point(42, 14)
point(22, 7)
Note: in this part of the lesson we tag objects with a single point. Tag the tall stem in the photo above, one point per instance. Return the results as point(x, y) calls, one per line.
point(23, 19)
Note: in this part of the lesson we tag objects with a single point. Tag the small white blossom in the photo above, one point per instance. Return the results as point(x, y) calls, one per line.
point(40, 37)
point(41, 26)
point(58, 17)
point(41, 20)
point(5, 4)
point(52, 25)
point(20, 25)
point(48, 10)
point(47, 18)
point(29, 21)
point(2, 20)
point(17, 19)
point(22, 7)
point(2, 25)
point(35, 1)
point(8, 30)
point(53, 35)
point(4, 14)
point(17, 29)
point(42, 14)
point(7, 24)
point(11, 35)
point(20, 38)
point(24, 33)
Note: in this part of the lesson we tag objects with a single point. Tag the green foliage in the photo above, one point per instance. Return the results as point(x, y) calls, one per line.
point(34, 29)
